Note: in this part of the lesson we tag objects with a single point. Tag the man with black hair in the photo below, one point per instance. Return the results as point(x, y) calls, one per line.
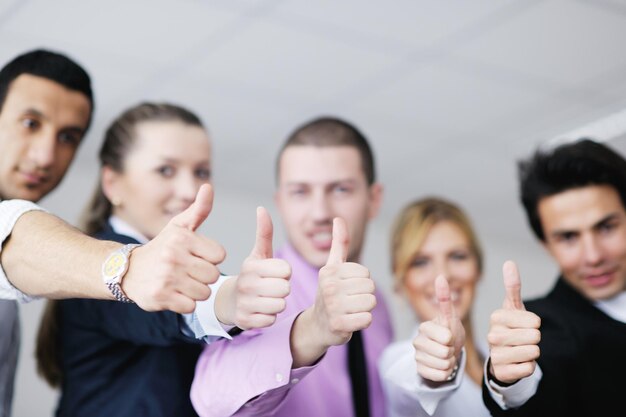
point(46, 104)
point(562, 354)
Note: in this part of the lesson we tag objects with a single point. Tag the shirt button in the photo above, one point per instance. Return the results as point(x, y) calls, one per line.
point(295, 381)
point(279, 377)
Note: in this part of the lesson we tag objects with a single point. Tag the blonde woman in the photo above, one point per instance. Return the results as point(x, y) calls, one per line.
point(437, 264)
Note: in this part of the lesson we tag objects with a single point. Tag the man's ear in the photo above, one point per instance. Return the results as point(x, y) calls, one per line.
point(376, 191)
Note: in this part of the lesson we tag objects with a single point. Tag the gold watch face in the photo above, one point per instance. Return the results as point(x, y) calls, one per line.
point(114, 265)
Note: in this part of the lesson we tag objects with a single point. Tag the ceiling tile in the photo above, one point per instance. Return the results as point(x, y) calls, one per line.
point(142, 30)
point(290, 63)
point(563, 41)
point(403, 23)
point(447, 99)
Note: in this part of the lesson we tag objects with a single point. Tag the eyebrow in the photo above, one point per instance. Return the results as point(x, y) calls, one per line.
point(35, 112)
point(344, 181)
point(608, 218)
point(176, 160)
point(605, 219)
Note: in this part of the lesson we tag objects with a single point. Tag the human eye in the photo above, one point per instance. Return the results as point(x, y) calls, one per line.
point(166, 171)
point(459, 256)
point(567, 237)
point(297, 191)
point(30, 123)
point(69, 138)
point(607, 227)
point(203, 173)
point(419, 262)
point(342, 189)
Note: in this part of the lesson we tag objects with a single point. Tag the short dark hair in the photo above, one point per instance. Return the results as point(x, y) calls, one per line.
point(572, 165)
point(331, 131)
point(47, 64)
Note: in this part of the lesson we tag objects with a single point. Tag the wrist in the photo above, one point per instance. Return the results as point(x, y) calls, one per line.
point(225, 302)
point(114, 270)
point(306, 343)
point(491, 376)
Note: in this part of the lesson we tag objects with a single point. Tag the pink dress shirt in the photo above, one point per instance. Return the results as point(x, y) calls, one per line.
point(251, 375)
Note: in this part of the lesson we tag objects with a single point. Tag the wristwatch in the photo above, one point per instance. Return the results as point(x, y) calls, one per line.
point(113, 270)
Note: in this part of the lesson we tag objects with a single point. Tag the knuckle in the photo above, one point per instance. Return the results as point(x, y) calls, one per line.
point(497, 317)
point(329, 288)
point(535, 336)
point(336, 324)
point(367, 320)
point(536, 322)
point(328, 271)
point(535, 352)
point(168, 255)
point(494, 338)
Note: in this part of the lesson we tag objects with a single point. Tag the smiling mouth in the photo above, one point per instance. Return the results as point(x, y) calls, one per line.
point(321, 240)
point(599, 280)
point(33, 179)
point(454, 297)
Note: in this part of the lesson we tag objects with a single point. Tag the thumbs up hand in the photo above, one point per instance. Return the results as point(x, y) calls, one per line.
point(345, 296)
point(514, 333)
point(171, 272)
point(439, 342)
point(257, 295)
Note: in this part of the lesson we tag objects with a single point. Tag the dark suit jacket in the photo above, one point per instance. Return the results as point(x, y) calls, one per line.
point(119, 360)
point(583, 359)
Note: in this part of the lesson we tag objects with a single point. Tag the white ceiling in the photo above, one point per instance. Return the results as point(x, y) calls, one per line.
point(450, 93)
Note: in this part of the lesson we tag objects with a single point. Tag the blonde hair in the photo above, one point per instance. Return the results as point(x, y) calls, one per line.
point(413, 224)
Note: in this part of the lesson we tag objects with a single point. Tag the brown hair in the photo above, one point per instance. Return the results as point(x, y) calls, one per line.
point(118, 141)
point(332, 131)
point(413, 224)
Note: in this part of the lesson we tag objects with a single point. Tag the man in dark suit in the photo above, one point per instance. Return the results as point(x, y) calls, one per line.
point(563, 354)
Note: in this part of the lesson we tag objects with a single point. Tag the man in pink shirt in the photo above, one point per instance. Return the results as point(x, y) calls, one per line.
point(320, 357)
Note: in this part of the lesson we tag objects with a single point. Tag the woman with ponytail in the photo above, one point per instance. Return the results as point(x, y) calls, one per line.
point(111, 358)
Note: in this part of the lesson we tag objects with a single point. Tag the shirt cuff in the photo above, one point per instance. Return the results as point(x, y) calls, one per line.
point(203, 323)
point(10, 212)
point(516, 395)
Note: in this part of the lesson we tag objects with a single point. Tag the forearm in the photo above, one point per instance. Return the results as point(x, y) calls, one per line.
point(306, 347)
point(44, 256)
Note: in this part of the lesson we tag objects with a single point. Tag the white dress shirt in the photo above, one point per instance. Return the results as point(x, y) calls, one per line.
point(407, 395)
point(10, 212)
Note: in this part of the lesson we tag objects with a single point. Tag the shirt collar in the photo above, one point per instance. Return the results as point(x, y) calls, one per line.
point(614, 307)
point(120, 227)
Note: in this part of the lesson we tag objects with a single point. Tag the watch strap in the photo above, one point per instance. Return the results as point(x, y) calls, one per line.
point(116, 287)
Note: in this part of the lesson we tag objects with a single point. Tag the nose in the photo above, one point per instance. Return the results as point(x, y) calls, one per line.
point(42, 150)
point(442, 268)
point(187, 187)
point(592, 250)
point(321, 210)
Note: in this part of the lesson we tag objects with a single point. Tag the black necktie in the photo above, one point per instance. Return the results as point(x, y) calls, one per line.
point(358, 375)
